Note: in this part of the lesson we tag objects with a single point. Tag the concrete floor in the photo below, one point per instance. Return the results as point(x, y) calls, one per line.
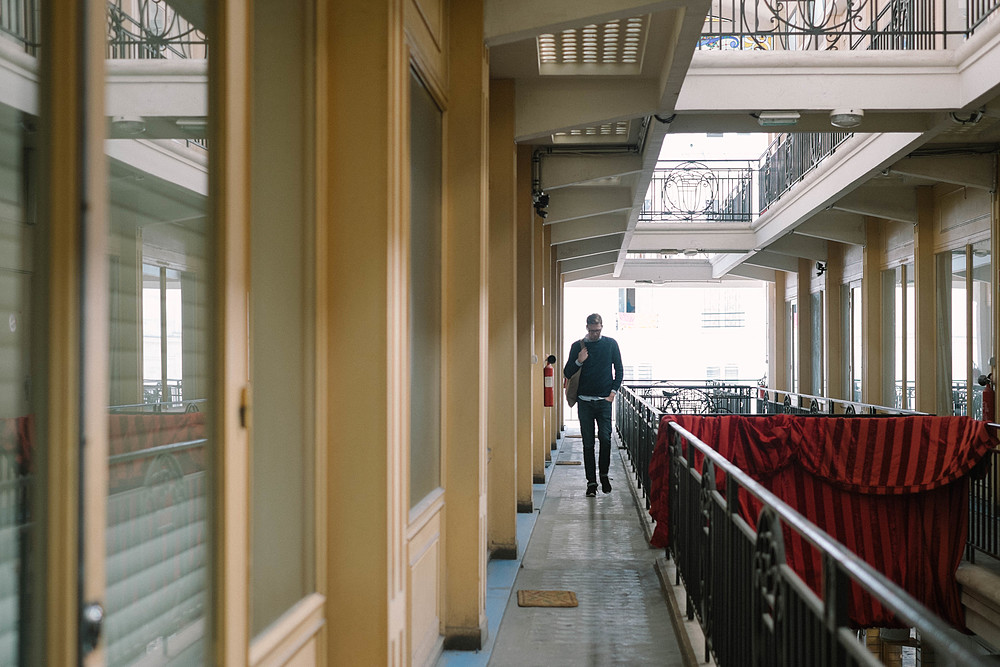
point(595, 547)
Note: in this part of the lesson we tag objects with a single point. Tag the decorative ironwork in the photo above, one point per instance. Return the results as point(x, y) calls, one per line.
point(688, 402)
point(768, 556)
point(155, 31)
point(710, 191)
point(813, 25)
point(789, 158)
point(723, 191)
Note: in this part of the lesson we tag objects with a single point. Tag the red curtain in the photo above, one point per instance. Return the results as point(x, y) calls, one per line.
point(894, 490)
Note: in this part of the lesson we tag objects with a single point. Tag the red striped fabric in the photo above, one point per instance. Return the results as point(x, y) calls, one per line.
point(894, 490)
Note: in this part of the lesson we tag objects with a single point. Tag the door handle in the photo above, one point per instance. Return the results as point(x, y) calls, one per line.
point(91, 623)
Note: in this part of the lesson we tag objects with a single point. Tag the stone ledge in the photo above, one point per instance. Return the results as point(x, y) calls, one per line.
point(980, 595)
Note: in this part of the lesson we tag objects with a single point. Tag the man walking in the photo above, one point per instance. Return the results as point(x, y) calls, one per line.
point(595, 356)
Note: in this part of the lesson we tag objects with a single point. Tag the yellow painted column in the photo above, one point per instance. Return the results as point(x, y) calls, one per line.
point(502, 442)
point(362, 119)
point(925, 306)
point(871, 307)
point(833, 326)
point(525, 344)
point(465, 280)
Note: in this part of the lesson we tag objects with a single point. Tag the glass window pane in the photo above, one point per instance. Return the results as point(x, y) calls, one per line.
point(425, 291)
point(817, 344)
point(160, 327)
point(982, 322)
point(282, 355)
point(952, 357)
point(857, 343)
point(909, 339)
point(845, 332)
point(18, 283)
point(891, 391)
point(791, 343)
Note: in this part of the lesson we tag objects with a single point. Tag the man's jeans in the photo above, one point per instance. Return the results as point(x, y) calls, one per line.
point(599, 412)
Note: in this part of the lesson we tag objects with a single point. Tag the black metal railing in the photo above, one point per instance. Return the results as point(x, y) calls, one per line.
point(703, 191)
point(753, 608)
point(984, 507)
point(640, 405)
point(906, 25)
point(19, 21)
point(724, 191)
point(154, 31)
point(789, 158)
point(774, 401)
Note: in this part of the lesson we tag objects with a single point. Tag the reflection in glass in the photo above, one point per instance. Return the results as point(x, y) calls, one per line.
point(17, 233)
point(817, 344)
point(909, 340)
point(791, 343)
point(982, 322)
point(157, 553)
point(952, 353)
point(892, 349)
point(857, 343)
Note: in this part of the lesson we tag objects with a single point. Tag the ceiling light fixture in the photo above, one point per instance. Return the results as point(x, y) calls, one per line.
point(777, 118)
point(128, 126)
point(846, 117)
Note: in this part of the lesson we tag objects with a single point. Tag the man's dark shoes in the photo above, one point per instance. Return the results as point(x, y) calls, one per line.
point(591, 489)
point(605, 484)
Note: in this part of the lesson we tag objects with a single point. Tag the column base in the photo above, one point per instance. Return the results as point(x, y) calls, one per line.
point(504, 552)
point(465, 639)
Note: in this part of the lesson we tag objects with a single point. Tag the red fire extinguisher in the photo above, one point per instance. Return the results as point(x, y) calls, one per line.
point(989, 396)
point(549, 373)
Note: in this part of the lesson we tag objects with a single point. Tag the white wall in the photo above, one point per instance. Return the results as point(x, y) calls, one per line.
point(668, 332)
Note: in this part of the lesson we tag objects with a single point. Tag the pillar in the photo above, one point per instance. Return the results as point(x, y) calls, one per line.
point(502, 409)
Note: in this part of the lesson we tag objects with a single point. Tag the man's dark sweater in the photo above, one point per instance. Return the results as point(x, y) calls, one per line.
point(595, 374)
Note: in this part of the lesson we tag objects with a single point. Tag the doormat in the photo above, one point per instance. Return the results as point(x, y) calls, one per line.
point(569, 463)
point(528, 598)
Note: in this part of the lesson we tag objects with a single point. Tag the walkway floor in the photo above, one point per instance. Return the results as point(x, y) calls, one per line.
point(595, 547)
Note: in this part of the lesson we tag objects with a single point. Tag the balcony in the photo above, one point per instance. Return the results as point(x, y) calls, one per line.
point(846, 25)
point(729, 568)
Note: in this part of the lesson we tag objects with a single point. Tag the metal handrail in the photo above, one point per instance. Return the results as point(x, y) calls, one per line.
point(724, 191)
point(640, 405)
point(156, 450)
point(789, 402)
point(769, 571)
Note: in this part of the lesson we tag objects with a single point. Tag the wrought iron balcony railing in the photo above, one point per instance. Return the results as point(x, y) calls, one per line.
point(789, 158)
point(154, 30)
point(818, 25)
point(703, 191)
point(723, 191)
